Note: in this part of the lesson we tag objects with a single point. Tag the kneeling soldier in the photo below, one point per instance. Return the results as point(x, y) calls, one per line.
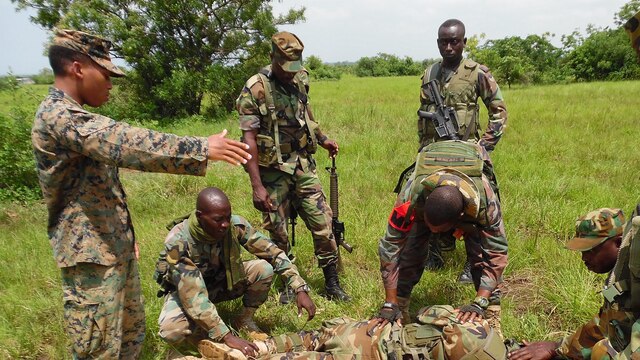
point(201, 265)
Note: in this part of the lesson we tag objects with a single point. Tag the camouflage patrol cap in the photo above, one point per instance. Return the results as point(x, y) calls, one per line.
point(632, 26)
point(287, 51)
point(595, 228)
point(95, 47)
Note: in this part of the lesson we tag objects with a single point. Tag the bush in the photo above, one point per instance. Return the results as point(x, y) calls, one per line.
point(18, 178)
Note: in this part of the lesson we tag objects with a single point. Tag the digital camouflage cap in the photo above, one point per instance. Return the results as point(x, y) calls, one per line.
point(93, 46)
point(595, 228)
point(286, 49)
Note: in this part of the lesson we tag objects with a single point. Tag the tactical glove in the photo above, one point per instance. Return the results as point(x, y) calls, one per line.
point(472, 308)
point(390, 312)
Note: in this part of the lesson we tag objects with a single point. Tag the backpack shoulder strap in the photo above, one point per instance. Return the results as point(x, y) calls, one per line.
point(265, 75)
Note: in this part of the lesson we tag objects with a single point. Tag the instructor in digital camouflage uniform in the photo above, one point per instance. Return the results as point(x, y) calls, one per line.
point(202, 264)
point(436, 335)
point(439, 199)
point(607, 245)
point(462, 81)
point(78, 154)
point(282, 135)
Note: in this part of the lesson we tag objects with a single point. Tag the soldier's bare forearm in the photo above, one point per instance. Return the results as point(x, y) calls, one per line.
point(249, 138)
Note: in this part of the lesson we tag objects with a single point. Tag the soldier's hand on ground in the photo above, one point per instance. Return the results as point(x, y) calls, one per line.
point(229, 150)
point(303, 301)
point(261, 199)
point(331, 146)
point(469, 313)
point(541, 350)
point(248, 348)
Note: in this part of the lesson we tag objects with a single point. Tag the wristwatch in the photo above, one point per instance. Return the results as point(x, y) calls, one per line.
point(481, 301)
point(304, 288)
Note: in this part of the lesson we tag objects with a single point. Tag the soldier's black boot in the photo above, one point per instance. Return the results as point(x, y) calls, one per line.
point(465, 276)
point(434, 256)
point(332, 288)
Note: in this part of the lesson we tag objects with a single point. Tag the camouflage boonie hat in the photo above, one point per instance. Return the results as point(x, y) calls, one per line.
point(595, 228)
point(95, 47)
point(287, 51)
point(632, 27)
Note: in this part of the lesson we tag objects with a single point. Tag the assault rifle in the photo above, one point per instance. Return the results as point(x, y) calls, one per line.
point(444, 117)
point(337, 225)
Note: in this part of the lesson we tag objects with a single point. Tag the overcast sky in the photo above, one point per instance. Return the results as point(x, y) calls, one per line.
point(346, 30)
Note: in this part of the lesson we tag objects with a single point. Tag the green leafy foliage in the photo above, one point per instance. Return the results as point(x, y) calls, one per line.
point(321, 71)
point(387, 65)
point(178, 50)
point(18, 179)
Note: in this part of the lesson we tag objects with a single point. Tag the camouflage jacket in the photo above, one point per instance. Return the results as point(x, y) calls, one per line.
point(461, 90)
point(254, 115)
point(481, 226)
point(196, 265)
point(77, 158)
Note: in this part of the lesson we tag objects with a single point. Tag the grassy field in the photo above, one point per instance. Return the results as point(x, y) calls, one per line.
point(568, 149)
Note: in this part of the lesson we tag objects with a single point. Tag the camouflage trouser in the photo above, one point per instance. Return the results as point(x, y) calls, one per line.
point(441, 338)
point(176, 327)
point(103, 310)
point(303, 191)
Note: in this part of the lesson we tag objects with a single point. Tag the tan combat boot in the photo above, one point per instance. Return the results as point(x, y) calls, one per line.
point(244, 322)
point(174, 354)
point(492, 314)
point(211, 350)
point(403, 304)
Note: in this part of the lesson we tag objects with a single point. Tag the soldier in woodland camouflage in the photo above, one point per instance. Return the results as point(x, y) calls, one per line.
point(609, 246)
point(78, 154)
point(439, 199)
point(436, 335)
point(201, 265)
point(462, 81)
point(282, 135)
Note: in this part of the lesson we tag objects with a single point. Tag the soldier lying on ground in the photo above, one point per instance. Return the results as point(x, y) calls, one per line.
point(615, 332)
point(202, 265)
point(437, 335)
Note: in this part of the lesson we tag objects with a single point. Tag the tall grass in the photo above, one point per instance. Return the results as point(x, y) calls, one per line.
point(567, 150)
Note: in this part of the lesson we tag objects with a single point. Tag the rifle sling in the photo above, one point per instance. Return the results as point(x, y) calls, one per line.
point(403, 174)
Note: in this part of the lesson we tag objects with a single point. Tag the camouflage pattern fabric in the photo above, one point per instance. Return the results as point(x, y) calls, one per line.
point(93, 46)
point(196, 270)
point(615, 332)
point(103, 310)
point(77, 158)
point(461, 90)
point(403, 250)
point(296, 178)
point(187, 314)
point(436, 335)
point(303, 191)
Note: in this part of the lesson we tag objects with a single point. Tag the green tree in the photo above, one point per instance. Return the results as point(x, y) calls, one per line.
point(626, 12)
point(178, 50)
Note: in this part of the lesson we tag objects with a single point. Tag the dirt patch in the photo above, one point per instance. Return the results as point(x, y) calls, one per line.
point(523, 291)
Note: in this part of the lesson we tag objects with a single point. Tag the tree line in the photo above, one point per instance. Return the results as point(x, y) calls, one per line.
point(191, 57)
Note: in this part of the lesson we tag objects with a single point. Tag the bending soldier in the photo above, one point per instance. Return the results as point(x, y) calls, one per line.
point(462, 81)
point(448, 191)
point(201, 265)
point(282, 135)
